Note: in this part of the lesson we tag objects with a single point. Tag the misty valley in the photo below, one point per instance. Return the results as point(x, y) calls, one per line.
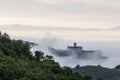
point(59, 39)
point(29, 60)
point(78, 52)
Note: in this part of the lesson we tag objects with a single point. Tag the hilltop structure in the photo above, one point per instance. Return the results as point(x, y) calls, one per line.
point(75, 47)
point(78, 52)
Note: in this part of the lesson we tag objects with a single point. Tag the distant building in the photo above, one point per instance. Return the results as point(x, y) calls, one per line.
point(75, 47)
point(79, 52)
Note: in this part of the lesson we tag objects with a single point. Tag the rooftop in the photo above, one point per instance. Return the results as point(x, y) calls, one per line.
point(74, 46)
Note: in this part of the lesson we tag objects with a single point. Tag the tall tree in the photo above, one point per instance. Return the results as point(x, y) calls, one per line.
point(39, 55)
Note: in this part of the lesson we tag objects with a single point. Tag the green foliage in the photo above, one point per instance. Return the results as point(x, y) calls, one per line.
point(48, 57)
point(14, 48)
point(18, 63)
point(88, 78)
point(99, 79)
point(99, 72)
point(39, 55)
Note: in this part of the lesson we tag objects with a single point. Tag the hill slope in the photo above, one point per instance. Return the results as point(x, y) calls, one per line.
point(18, 63)
point(99, 72)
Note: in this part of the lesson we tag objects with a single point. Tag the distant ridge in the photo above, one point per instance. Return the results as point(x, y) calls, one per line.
point(19, 26)
point(115, 28)
point(32, 27)
point(98, 72)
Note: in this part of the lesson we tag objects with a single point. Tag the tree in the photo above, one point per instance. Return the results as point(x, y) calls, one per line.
point(49, 57)
point(117, 67)
point(99, 79)
point(77, 67)
point(67, 70)
point(88, 78)
point(39, 55)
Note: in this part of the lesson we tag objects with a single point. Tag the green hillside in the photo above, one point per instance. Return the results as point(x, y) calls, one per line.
point(99, 72)
point(18, 63)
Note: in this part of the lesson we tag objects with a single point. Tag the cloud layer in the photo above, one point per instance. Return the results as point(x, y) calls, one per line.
point(66, 33)
point(114, 3)
point(77, 13)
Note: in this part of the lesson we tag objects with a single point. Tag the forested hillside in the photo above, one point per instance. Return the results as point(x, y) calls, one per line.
point(17, 62)
point(99, 72)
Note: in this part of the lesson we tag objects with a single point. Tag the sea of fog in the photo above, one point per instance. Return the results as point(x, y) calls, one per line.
point(107, 41)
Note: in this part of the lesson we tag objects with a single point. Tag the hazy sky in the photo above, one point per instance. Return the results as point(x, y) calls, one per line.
point(66, 13)
point(40, 19)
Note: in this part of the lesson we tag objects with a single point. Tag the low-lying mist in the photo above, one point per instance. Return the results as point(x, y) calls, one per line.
point(108, 49)
point(107, 41)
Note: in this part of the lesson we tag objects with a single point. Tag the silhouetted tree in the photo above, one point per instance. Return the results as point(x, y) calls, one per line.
point(49, 57)
point(117, 67)
point(39, 55)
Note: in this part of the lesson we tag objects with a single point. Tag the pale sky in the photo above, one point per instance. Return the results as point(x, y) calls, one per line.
point(94, 23)
point(66, 13)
